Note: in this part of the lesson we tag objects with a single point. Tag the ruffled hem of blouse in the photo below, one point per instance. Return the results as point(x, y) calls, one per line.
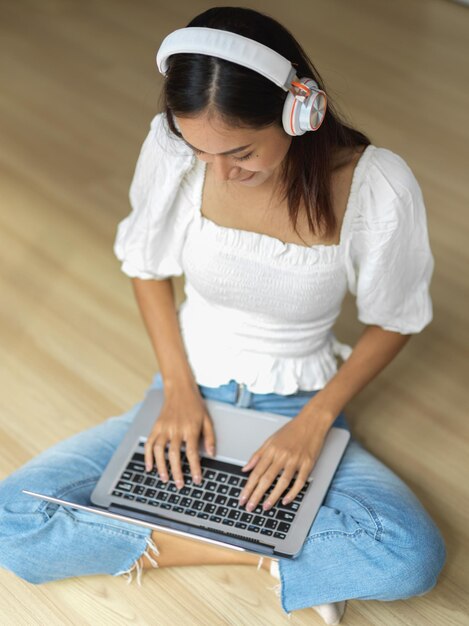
point(263, 373)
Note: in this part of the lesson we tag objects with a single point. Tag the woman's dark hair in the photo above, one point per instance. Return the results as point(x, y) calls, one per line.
point(241, 97)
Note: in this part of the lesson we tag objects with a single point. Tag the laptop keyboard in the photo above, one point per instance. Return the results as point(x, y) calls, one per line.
point(215, 499)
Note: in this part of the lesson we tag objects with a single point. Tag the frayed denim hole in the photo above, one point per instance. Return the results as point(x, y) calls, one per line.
point(50, 509)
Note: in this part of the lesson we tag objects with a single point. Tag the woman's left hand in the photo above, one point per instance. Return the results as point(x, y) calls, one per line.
point(294, 447)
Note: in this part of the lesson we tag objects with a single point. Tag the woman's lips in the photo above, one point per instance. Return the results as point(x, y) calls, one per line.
point(248, 178)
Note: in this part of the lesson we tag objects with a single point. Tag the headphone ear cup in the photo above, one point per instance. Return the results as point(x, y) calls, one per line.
point(290, 115)
point(300, 116)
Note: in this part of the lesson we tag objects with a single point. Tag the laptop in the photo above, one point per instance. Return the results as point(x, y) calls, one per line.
point(210, 511)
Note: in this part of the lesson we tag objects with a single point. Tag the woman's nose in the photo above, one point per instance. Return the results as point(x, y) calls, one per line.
point(225, 170)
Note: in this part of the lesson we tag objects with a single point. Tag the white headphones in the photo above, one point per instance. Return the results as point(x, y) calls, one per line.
point(305, 104)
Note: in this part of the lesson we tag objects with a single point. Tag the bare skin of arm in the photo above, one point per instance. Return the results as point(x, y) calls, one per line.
point(295, 447)
point(184, 417)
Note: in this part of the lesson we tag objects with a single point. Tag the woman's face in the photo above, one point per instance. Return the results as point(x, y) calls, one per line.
point(262, 151)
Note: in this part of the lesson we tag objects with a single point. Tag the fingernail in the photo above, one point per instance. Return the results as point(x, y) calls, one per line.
point(211, 451)
point(179, 483)
point(250, 506)
point(197, 479)
point(243, 499)
point(266, 506)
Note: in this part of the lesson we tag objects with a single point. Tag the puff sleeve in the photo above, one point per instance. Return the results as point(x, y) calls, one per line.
point(390, 263)
point(149, 240)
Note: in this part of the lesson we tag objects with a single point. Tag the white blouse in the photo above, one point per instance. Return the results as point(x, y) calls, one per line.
point(259, 310)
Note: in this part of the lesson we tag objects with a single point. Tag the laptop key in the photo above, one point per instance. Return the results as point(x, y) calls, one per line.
point(240, 525)
point(254, 529)
point(209, 496)
point(153, 502)
point(174, 499)
point(221, 499)
point(246, 517)
point(126, 476)
point(280, 535)
point(285, 516)
point(211, 486)
point(150, 482)
point(185, 491)
point(235, 491)
point(136, 467)
point(233, 480)
point(186, 502)
point(138, 489)
point(271, 523)
point(140, 499)
point(150, 493)
point(283, 527)
point(222, 477)
point(117, 493)
point(138, 458)
point(129, 496)
point(234, 514)
point(160, 485)
point(124, 486)
point(222, 510)
point(178, 509)
point(291, 506)
point(215, 518)
point(210, 508)
point(198, 505)
point(228, 522)
point(209, 474)
point(258, 520)
point(165, 505)
point(197, 493)
point(190, 512)
point(223, 489)
point(162, 495)
point(202, 515)
point(233, 503)
point(266, 531)
point(138, 478)
point(172, 487)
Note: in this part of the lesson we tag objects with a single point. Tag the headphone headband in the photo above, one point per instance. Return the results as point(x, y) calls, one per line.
point(229, 46)
point(305, 105)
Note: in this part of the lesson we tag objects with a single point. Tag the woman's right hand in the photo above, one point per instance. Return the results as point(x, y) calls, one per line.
point(183, 418)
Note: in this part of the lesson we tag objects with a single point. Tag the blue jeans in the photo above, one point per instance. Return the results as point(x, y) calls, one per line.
point(371, 540)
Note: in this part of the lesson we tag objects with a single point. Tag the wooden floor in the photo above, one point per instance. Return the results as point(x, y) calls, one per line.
point(79, 88)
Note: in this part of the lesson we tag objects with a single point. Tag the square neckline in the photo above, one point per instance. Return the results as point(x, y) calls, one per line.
point(275, 240)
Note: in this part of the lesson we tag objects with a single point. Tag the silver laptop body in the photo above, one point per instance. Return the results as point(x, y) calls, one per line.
point(238, 433)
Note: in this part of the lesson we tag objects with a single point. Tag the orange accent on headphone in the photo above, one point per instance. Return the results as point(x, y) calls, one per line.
point(292, 114)
point(303, 87)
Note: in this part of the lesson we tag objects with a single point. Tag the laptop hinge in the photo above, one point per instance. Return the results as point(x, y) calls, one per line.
point(191, 530)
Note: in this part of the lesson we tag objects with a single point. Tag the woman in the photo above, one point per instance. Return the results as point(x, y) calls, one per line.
point(271, 222)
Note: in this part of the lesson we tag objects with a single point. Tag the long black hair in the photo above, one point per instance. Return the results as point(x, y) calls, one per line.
point(241, 97)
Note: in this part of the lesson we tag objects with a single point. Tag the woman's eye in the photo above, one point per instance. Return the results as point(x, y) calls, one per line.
point(244, 157)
